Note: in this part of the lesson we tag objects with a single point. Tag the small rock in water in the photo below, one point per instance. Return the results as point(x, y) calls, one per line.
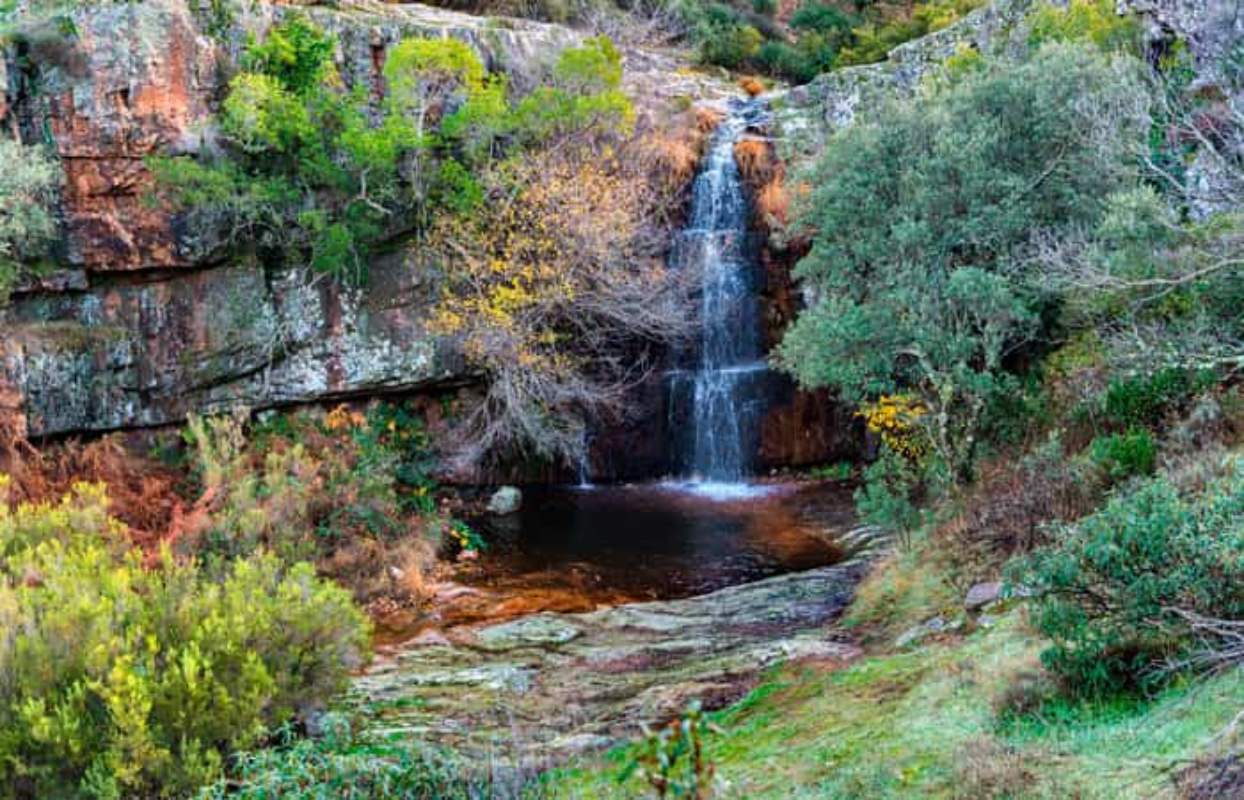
point(505, 500)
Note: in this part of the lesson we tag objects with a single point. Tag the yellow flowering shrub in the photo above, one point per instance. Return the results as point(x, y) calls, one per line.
point(896, 418)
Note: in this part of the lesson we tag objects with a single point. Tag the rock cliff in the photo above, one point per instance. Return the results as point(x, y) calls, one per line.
point(148, 321)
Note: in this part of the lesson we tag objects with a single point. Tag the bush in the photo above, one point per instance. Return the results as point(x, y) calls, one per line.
point(730, 45)
point(872, 42)
point(1094, 21)
point(351, 490)
point(344, 766)
point(1010, 509)
point(124, 679)
point(1123, 455)
point(1110, 586)
point(29, 178)
point(918, 254)
point(1145, 399)
point(541, 287)
point(887, 498)
point(312, 174)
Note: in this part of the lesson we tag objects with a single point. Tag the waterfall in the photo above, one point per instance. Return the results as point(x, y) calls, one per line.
point(717, 399)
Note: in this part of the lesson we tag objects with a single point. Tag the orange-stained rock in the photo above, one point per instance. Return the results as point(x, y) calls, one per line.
point(138, 79)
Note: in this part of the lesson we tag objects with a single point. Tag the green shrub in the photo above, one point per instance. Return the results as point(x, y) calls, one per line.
point(1123, 455)
point(1108, 586)
point(119, 678)
point(313, 174)
point(873, 42)
point(917, 249)
point(1094, 21)
point(672, 758)
point(731, 46)
point(583, 95)
point(1145, 399)
point(887, 498)
point(811, 55)
point(344, 766)
point(29, 178)
point(822, 19)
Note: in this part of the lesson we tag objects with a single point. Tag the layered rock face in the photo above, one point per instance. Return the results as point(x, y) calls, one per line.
point(150, 321)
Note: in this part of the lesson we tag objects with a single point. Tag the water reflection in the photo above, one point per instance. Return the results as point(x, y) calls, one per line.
point(658, 541)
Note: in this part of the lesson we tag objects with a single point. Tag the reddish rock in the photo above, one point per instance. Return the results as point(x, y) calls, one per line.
point(138, 79)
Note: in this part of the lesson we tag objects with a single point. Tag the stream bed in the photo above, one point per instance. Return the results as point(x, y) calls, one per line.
point(596, 610)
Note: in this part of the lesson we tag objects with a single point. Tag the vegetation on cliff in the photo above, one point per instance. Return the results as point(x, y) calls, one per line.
point(28, 183)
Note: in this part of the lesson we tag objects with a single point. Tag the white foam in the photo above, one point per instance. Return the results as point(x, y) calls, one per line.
point(719, 490)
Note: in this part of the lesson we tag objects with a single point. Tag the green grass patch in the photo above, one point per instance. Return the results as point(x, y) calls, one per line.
point(923, 724)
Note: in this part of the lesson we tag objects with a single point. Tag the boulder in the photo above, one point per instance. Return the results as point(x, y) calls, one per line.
point(982, 594)
point(918, 633)
point(505, 500)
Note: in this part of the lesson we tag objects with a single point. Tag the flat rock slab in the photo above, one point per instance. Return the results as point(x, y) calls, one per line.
point(544, 686)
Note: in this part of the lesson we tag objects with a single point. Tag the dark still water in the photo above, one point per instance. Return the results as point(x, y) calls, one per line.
point(657, 541)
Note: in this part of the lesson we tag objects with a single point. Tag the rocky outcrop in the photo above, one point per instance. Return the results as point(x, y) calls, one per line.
point(1211, 29)
point(809, 114)
point(137, 78)
point(140, 78)
point(129, 353)
point(1212, 32)
point(149, 321)
point(557, 684)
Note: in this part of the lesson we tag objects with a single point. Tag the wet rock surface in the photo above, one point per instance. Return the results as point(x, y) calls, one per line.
point(548, 685)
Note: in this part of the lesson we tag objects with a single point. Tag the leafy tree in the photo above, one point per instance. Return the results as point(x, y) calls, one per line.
point(1164, 294)
point(312, 175)
point(919, 216)
point(555, 289)
point(584, 98)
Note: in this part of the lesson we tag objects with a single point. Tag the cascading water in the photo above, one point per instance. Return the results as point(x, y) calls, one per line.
point(717, 399)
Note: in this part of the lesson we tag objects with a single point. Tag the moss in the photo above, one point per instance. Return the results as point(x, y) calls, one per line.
point(903, 590)
point(922, 724)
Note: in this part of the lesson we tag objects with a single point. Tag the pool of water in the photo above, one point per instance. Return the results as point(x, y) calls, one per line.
point(661, 540)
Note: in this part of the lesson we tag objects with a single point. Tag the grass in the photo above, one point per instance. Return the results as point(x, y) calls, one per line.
point(905, 589)
point(923, 724)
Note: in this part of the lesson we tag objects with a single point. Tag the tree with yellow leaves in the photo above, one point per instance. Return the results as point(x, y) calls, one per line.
point(556, 289)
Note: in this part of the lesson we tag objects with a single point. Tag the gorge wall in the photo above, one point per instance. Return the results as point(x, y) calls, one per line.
point(149, 320)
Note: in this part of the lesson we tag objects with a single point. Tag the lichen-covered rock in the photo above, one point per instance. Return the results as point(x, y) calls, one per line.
point(1213, 33)
point(1211, 29)
point(808, 115)
point(134, 79)
point(126, 354)
point(506, 500)
point(558, 684)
